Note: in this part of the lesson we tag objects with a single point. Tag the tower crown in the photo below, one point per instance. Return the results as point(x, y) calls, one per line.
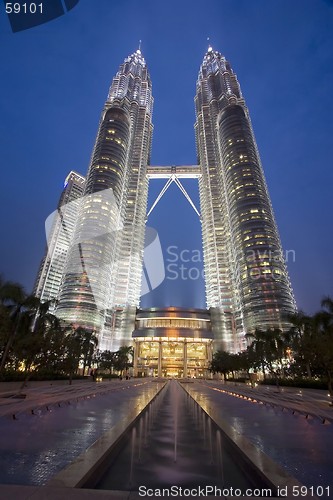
point(136, 58)
point(216, 80)
point(212, 62)
point(132, 81)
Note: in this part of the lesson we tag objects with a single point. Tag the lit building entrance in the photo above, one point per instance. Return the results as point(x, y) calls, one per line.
point(172, 342)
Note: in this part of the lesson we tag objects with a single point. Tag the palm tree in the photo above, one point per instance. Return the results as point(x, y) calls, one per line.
point(72, 352)
point(267, 348)
point(327, 304)
point(42, 318)
point(79, 345)
point(105, 360)
point(52, 353)
point(323, 340)
point(223, 362)
point(89, 345)
point(122, 361)
point(16, 302)
point(33, 343)
point(299, 338)
point(257, 349)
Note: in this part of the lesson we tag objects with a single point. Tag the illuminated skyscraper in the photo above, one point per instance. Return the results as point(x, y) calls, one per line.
point(247, 284)
point(101, 284)
point(59, 228)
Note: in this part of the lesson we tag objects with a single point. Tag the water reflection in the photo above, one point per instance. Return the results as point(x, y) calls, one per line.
point(174, 443)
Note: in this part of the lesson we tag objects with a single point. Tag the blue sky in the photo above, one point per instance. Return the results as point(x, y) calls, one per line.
point(55, 79)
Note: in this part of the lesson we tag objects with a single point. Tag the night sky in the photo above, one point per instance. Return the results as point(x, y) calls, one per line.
point(55, 79)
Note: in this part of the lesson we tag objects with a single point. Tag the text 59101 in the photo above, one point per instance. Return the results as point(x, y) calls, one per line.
point(24, 8)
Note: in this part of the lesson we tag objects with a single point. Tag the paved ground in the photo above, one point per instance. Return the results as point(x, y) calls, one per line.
point(311, 402)
point(287, 426)
point(45, 395)
point(55, 422)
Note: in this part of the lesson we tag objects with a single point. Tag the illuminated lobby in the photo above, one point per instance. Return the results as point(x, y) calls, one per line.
point(172, 342)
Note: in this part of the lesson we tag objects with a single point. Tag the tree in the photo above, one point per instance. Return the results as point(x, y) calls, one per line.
point(33, 344)
point(89, 342)
point(122, 359)
point(224, 362)
point(299, 339)
point(17, 303)
point(311, 339)
point(257, 349)
point(106, 360)
point(268, 351)
point(78, 346)
point(53, 347)
point(323, 340)
point(246, 361)
point(72, 352)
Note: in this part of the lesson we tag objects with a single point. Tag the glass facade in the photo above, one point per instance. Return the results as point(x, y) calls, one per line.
point(59, 228)
point(102, 280)
point(247, 284)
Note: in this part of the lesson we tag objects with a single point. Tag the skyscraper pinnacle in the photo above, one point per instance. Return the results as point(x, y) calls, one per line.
point(210, 48)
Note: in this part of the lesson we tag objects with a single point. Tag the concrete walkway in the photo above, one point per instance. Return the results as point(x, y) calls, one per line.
point(39, 396)
point(55, 422)
point(311, 402)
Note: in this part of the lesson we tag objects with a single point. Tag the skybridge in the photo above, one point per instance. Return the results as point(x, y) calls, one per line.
point(174, 173)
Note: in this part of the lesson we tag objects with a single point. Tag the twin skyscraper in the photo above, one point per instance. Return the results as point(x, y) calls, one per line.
point(96, 243)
